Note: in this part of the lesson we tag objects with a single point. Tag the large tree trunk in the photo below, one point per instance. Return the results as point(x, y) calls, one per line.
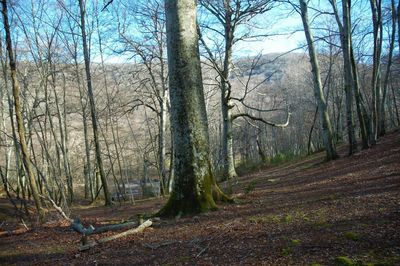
point(194, 180)
point(327, 134)
point(18, 114)
point(93, 108)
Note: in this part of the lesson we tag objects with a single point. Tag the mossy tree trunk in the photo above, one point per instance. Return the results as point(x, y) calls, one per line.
point(194, 180)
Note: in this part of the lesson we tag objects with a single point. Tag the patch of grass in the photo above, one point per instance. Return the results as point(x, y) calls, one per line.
point(315, 264)
point(286, 251)
point(302, 215)
point(278, 158)
point(381, 210)
point(351, 236)
point(265, 219)
point(322, 224)
point(248, 166)
point(295, 242)
point(250, 187)
point(344, 261)
point(319, 219)
point(287, 218)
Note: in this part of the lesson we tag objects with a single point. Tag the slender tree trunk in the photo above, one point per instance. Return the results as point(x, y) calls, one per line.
point(327, 134)
point(20, 177)
point(346, 46)
point(163, 121)
point(362, 114)
point(89, 180)
point(228, 159)
point(161, 143)
point(310, 133)
point(18, 114)
point(376, 69)
point(93, 107)
point(110, 117)
point(382, 118)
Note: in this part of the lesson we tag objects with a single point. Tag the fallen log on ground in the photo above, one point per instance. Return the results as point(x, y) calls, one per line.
point(90, 230)
point(136, 230)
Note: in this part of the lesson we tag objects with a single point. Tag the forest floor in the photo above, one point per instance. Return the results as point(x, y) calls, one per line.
point(307, 212)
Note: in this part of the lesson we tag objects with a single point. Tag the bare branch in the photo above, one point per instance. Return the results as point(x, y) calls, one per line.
point(255, 118)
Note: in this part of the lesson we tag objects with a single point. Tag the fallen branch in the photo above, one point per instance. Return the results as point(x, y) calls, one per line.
point(23, 223)
point(78, 227)
point(58, 209)
point(136, 230)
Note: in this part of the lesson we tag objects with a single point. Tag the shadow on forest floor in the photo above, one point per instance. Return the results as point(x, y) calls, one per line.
point(304, 213)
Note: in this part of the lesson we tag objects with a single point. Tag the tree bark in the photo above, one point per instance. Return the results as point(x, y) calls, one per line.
point(194, 180)
point(327, 134)
point(376, 10)
point(18, 114)
point(345, 39)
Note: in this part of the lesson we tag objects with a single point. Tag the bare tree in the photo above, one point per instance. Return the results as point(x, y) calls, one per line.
point(148, 44)
point(392, 38)
point(18, 114)
point(318, 90)
point(93, 106)
point(350, 76)
point(229, 15)
point(376, 10)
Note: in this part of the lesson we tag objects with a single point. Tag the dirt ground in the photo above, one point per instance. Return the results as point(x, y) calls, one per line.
point(307, 212)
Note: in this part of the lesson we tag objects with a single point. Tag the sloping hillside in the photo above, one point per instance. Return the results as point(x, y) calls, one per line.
point(298, 213)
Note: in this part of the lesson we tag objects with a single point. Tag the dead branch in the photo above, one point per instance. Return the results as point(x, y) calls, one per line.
point(245, 115)
point(58, 209)
point(78, 227)
point(136, 230)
